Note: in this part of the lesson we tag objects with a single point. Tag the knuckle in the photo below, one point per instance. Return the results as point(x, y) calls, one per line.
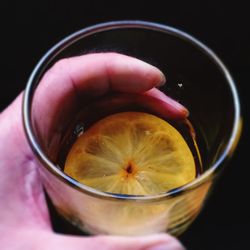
point(58, 68)
point(60, 65)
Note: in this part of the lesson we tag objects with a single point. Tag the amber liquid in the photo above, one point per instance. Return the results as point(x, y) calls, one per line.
point(174, 214)
point(89, 116)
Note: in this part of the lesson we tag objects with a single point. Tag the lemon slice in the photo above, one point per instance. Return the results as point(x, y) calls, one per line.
point(131, 153)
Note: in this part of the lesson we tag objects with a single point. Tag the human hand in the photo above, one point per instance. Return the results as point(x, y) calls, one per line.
point(24, 218)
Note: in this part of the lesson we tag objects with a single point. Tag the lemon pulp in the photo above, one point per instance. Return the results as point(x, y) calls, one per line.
point(132, 153)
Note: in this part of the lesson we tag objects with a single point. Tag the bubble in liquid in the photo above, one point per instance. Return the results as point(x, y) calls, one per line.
point(79, 129)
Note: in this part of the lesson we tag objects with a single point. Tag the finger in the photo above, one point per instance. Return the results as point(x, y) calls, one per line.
point(164, 105)
point(149, 242)
point(99, 73)
point(70, 82)
point(153, 101)
point(30, 239)
point(95, 74)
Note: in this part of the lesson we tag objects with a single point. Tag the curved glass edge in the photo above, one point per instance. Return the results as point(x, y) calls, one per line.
point(55, 50)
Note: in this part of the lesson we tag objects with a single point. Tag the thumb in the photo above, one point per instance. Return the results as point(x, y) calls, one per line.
point(149, 242)
point(46, 240)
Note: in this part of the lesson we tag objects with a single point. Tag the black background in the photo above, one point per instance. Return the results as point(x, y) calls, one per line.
point(33, 27)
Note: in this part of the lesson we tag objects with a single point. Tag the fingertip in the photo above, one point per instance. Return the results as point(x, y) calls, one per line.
point(165, 105)
point(173, 109)
point(183, 110)
point(132, 75)
point(162, 79)
point(153, 76)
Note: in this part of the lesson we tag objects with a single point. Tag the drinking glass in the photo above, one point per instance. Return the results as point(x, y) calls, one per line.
point(196, 77)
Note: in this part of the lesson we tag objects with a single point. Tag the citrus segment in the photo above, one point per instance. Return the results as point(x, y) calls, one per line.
point(131, 153)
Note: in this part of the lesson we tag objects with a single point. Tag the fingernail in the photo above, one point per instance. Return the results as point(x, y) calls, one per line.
point(162, 81)
point(185, 111)
point(180, 107)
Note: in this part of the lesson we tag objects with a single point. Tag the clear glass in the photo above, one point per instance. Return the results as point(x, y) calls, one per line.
point(196, 77)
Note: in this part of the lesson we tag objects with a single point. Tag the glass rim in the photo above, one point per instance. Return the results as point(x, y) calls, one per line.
point(125, 24)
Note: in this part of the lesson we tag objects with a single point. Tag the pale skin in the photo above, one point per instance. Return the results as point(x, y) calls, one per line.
point(24, 218)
